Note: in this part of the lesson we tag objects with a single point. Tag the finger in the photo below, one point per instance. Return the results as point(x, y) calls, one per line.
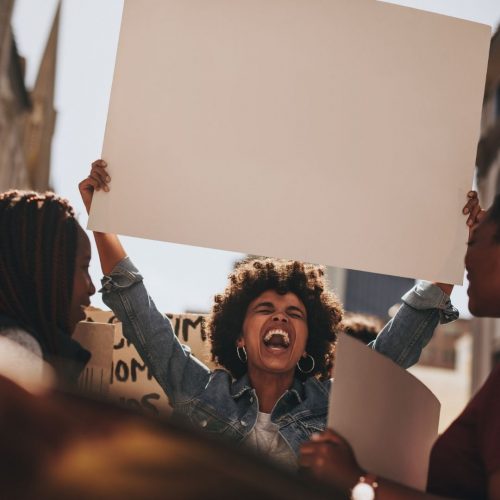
point(328, 436)
point(308, 448)
point(471, 203)
point(473, 216)
point(471, 199)
point(100, 173)
point(313, 462)
point(306, 460)
point(99, 163)
point(100, 184)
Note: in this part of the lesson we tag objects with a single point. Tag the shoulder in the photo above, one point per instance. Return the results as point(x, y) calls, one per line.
point(18, 341)
point(21, 361)
point(317, 388)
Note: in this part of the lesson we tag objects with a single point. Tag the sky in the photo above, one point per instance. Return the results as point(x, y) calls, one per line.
point(178, 277)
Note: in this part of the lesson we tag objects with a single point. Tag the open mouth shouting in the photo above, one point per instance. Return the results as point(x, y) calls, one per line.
point(277, 339)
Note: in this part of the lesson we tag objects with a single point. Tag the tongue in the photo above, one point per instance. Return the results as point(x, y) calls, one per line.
point(276, 341)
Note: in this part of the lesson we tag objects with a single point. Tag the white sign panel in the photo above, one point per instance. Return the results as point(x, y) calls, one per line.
point(389, 417)
point(339, 132)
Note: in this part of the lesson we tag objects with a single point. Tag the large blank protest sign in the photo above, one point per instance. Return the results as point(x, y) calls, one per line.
point(333, 131)
point(389, 417)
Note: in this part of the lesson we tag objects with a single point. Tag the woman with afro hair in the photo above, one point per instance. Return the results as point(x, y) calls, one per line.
point(271, 331)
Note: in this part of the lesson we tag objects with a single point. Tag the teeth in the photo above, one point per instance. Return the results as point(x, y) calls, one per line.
point(281, 333)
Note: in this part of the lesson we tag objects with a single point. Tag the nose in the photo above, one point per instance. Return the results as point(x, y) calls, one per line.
point(92, 289)
point(279, 316)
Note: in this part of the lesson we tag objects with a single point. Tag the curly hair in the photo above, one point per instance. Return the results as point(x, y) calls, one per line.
point(37, 262)
point(254, 276)
point(364, 327)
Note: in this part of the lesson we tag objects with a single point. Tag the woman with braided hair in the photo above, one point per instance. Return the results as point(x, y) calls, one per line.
point(271, 332)
point(44, 283)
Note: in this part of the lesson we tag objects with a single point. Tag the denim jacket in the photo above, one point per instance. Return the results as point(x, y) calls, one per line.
point(215, 402)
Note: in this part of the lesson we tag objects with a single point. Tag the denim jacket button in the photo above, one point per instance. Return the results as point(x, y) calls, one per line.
point(243, 423)
point(203, 423)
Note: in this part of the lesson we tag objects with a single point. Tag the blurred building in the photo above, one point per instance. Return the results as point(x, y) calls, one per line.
point(368, 293)
point(27, 117)
point(445, 368)
point(487, 337)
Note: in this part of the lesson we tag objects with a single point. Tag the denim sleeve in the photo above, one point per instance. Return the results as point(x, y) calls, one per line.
point(410, 330)
point(180, 374)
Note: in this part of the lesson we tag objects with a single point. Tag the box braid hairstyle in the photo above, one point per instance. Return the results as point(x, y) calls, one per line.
point(252, 277)
point(37, 263)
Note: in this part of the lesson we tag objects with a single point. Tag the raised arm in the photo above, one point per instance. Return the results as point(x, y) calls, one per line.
point(109, 247)
point(424, 306)
point(179, 374)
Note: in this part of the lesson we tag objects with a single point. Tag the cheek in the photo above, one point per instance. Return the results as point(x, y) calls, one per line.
point(251, 328)
point(302, 336)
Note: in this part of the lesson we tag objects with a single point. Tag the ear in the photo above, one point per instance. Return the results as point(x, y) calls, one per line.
point(304, 354)
point(240, 342)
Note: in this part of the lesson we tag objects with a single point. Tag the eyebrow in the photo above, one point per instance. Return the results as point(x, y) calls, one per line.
point(264, 304)
point(295, 308)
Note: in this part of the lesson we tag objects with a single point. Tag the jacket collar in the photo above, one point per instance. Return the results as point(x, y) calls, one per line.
point(242, 385)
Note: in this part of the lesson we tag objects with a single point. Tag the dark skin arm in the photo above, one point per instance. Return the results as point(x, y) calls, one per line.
point(109, 247)
point(475, 213)
point(330, 458)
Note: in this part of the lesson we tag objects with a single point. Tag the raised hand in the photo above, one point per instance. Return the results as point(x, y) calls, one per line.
point(98, 179)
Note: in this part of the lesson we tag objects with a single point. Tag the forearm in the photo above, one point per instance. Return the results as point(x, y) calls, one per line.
point(389, 490)
point(178, 373)
point(110, 251)
point(445, 287)
point(405, 335)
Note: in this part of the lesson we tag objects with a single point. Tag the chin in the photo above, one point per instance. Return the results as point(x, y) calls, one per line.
point(482, 309)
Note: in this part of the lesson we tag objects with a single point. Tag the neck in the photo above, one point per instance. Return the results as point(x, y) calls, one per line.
point(269, 387)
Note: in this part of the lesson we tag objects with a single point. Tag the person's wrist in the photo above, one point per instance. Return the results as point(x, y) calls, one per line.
point(351, 478)
point(445, 287)
point(365, 488)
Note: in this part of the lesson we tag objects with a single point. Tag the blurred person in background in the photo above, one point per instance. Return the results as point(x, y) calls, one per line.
point(44, 287)
point(465, 460)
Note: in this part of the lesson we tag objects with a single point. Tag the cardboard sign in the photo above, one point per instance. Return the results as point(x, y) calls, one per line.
point(388, 416)
point(98, 338)
point(340, 132)
point(130, 381)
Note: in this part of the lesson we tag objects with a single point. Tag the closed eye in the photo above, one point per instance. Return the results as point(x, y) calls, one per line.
point(264, 311)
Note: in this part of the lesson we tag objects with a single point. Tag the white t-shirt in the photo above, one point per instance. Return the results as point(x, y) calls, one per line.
point(266, 439)
point(21, 360)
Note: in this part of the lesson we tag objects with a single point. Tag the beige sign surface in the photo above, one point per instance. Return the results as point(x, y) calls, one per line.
point(130, 382)
point(98, 339)
point(340, 132)
point(389, 417)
